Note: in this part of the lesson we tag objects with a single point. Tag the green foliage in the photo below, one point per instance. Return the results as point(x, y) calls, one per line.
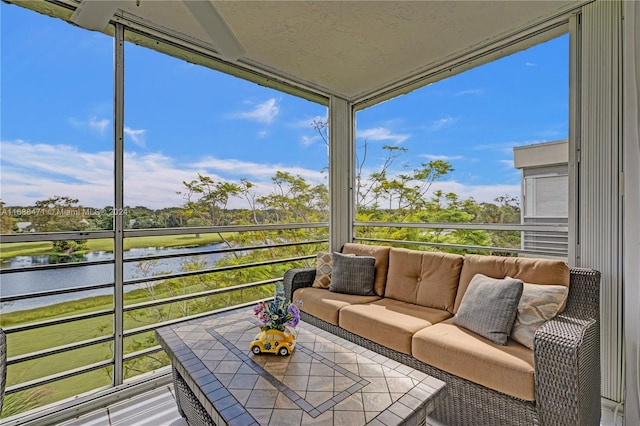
point(207, 199)
point(7, 222)
point(68, 247)
point(20, 402)
point(59, 213)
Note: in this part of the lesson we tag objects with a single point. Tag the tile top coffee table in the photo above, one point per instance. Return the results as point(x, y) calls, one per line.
point(326, 380)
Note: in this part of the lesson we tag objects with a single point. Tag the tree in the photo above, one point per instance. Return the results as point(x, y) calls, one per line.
point(295, 200)
point(61, 213)
point(7, 221)
point(506, 210)
point(207, 199)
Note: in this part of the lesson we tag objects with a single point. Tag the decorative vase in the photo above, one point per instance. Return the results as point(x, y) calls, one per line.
point(273, 341)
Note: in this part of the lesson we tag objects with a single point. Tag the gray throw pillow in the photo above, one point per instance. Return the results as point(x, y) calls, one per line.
point(353, 274)
point(489, 307)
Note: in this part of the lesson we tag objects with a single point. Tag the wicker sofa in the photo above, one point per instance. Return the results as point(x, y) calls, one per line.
point(410, 319)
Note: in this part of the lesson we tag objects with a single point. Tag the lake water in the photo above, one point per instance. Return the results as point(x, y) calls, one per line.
point(16, 283)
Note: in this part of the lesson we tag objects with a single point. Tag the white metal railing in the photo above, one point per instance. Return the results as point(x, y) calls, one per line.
point(120, 309)
point(553, 241)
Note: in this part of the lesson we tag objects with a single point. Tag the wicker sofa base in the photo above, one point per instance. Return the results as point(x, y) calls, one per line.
point(467, 403)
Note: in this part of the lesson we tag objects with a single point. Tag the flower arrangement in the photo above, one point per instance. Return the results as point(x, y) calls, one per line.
point(278, 313)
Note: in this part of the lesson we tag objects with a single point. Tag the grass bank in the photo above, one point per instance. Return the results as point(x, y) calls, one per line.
point(59, 335)
point(10, 250)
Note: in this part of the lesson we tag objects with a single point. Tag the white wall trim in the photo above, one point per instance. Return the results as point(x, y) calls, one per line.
point(341, 163)
point(600, 223)
point(631, 137)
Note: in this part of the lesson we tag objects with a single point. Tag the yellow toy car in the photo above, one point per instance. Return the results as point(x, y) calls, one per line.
point(273, 341)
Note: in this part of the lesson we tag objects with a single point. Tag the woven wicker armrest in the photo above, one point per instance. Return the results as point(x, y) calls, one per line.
point(298, 278)
point(567, 371)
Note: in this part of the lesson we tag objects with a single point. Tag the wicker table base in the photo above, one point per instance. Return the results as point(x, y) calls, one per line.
point(326, 380)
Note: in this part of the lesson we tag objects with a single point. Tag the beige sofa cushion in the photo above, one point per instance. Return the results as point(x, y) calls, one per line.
point(325, 304)
point(389, 322)
point(380, 253)
point(507, 369)
point(423, 278)
point(534, 271)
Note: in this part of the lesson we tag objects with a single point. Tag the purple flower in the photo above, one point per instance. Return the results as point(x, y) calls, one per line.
point(294, 311)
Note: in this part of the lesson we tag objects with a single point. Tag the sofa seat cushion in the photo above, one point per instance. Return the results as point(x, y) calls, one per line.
point(325, 304)
point(507, 369)
point(389, 322)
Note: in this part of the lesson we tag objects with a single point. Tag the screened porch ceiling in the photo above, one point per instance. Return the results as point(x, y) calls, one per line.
point(350, 49)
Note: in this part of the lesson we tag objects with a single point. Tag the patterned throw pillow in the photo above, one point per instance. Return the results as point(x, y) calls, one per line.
point(353, 274)
point(538, 304)
point(489, 307)
point(324, 266)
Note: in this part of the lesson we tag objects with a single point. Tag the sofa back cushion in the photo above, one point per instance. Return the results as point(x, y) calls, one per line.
point(534, 271)
point(423, 278)
point(381, 254)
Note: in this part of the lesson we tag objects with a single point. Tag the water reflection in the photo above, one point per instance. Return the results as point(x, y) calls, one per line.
point(16, 283)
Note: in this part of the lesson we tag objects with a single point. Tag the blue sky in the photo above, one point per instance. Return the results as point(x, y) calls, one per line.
point(182, 119)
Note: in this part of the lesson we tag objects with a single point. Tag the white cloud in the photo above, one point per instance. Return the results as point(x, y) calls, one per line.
point(309, 122)
point(137, 136)
point(32, 172)
point(470, 92)
point(382, 134)
point(503, 147)
point(508, 164)
point(262, 134)
point(250, 169)
point(530, 64)
point(98, 125)
point(439, 124)
point(442, 157)
point(480, 193)
point(310, 140)
point(265, 112)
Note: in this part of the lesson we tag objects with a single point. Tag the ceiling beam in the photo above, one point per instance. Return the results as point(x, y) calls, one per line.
point(95, 14)
point(216, 28)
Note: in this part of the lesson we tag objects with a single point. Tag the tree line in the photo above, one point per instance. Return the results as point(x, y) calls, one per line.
point(382, 194)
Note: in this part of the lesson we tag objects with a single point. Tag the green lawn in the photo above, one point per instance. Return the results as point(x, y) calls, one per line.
point(63, 334)
point(7, 251)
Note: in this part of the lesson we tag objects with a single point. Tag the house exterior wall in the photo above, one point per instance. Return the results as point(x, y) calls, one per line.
point(544, 192)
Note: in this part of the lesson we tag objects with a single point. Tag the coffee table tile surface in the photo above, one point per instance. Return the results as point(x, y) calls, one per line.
point(326, 380)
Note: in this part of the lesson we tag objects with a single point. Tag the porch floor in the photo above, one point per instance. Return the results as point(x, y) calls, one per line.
point(158, 408)
point(155, 408)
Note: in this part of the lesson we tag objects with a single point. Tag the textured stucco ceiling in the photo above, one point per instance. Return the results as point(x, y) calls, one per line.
point(349, 48)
